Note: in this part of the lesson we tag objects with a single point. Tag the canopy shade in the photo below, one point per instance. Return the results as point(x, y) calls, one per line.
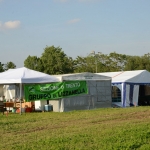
point(136, 76)
point(129, 83)
point(25, 75)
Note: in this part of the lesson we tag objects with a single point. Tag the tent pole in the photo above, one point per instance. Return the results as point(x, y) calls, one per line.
point(124, 94)
point(20, 97)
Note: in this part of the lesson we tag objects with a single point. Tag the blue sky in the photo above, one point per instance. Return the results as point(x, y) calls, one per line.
point(77, 26)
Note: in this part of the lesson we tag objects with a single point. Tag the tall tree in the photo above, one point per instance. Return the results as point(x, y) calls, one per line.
point(145, 61)
point(1, 67)
point(84, 64)
point(9, 65)
point(101, 63)
point(133, 63)
point(55, 61)
point(116, 62)
point(34, 63)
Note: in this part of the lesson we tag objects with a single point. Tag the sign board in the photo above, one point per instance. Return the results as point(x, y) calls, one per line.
point(52, 91)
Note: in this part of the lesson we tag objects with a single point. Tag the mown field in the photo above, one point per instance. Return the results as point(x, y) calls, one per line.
point(99, 129)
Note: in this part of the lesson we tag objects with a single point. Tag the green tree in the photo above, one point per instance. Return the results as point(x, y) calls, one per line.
point(138, 63)
point(100, 62)
point(34, 63)
point(134, 63)
point(145, 61)
point(1, 67)
point(116, 62)
point(9, 65)
point(84, 64)
point(55, 61)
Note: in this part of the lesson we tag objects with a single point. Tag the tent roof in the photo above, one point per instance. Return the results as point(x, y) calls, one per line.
point(82, 76)
point(25, 75)
point(137, 76)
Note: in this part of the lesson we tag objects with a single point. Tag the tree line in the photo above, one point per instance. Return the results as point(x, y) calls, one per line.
point(54, 61)
point(8, 65)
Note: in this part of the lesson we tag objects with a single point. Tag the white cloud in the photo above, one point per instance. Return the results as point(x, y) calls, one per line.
point(10, 25)
point(73, 21)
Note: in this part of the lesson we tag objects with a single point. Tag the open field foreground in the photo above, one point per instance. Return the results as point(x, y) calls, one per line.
point(99, 129)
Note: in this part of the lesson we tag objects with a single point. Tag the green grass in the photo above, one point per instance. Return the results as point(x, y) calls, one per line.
point(99, 129)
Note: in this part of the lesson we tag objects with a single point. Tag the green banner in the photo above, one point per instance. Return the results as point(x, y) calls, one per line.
point(57, 90)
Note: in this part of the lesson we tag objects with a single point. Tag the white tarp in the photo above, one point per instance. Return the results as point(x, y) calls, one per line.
point(136, 76)
point(25, 75)
point(124, 80)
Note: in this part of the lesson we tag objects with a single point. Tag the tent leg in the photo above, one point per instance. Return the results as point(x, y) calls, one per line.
point(124, 94)
point(20, 98)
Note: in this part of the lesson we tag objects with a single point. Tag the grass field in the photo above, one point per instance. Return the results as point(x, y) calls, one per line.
point(99, 129)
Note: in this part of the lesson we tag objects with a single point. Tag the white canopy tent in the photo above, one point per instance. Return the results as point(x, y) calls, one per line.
point(128, 82)
point(23, 76)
